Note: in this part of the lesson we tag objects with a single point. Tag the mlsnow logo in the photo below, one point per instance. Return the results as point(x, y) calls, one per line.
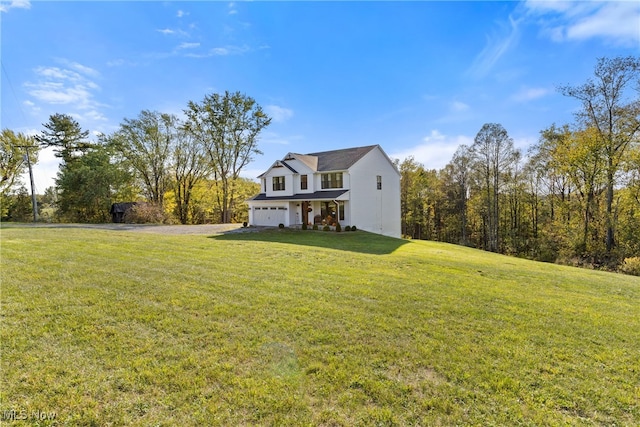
point(25, 415)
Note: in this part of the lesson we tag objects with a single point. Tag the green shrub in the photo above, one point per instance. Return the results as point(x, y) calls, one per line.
point(347, 228)
point(338, 227)
point(281, 225)
point(631, 266)
point(244, 224)
point(304, 226)
point(353, 228)
point(315, 226)
point(326, 228)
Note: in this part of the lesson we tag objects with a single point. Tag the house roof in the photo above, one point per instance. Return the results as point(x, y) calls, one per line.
point(279, 164)
point(340, 159)
point(325, 161)
point(310, 161)
point(288, 166)
point(318, 195)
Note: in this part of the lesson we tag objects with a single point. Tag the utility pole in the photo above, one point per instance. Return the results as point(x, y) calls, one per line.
point(34, 202)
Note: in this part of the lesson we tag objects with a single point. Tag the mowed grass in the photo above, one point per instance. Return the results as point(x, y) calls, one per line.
point(308, 328)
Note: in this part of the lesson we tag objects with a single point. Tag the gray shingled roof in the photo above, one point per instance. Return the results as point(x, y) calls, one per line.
point(340, 159)
point(334, 160)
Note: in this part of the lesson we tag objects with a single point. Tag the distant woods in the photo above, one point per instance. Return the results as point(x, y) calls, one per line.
point(574, 197)
point(178, 170)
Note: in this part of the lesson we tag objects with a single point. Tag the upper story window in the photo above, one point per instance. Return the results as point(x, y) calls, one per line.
point(278, 183)
point(379, 182)
point(264, 185)
point(331, 180)
point(303, 182)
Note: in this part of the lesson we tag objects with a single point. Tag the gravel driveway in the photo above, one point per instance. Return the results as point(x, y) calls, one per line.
point(148, 228)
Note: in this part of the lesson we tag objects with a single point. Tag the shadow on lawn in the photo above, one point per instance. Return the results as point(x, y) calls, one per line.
point(358, 241)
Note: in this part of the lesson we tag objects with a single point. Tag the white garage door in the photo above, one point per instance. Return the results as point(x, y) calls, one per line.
point(269, 215)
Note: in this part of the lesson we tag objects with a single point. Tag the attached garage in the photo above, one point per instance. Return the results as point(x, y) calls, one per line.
point(269, 215)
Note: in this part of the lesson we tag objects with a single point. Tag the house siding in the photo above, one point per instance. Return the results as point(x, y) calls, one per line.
point(288, 182)
point(365, 206)
point(374, 210)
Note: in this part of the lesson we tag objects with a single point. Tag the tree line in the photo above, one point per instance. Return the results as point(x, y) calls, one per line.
point(185, 170)
point(574, 197)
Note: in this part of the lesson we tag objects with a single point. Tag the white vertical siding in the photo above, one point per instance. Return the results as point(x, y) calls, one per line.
point(375, 210)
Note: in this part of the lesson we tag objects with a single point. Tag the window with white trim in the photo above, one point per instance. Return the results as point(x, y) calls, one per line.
point(278, 183)
point(331, 180)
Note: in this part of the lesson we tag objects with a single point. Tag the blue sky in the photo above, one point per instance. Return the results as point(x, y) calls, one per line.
point(418, 78)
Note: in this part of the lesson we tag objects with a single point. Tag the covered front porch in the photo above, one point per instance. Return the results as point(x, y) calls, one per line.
point(319, 208)
point(322, 212)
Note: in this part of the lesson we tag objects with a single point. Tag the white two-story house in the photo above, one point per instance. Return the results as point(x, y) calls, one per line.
point(353, 186)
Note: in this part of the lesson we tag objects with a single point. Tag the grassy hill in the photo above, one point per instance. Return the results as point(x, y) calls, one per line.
point(308, 328)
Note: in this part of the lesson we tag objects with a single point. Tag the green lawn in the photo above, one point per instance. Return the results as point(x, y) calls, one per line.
point(308, 328)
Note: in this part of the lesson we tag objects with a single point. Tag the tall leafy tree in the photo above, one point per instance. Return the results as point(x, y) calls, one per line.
point(493, 154)
point(89, 185)
point(516, 223)
point(145, 142)
point(556, 184)
point(413, 186)
point(208, 201)
point(457, 175)
point(629, 208)
point(581, 158)
point(13, 148)
point(611, 106)
point(190, 167)
point(228, 126)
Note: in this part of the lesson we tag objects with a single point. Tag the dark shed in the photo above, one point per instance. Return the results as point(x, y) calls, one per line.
point(118, 211)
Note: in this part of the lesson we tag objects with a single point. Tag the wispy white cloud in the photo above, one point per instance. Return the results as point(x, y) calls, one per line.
point(230, 50)
point(220, 51)
point(232, 8)
point(530, 93)
point(172, 32)
point(31, 106)
point(188, 45)
point(82, 69)
point(71, 86)
point(5, 6)
point(277, 139)
point(278, 114)
point(498, 44)
point(458, 107)
point(116, 62)
point(58, 93)
point(616, 22)
point(435, 150)
point(181, 13)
